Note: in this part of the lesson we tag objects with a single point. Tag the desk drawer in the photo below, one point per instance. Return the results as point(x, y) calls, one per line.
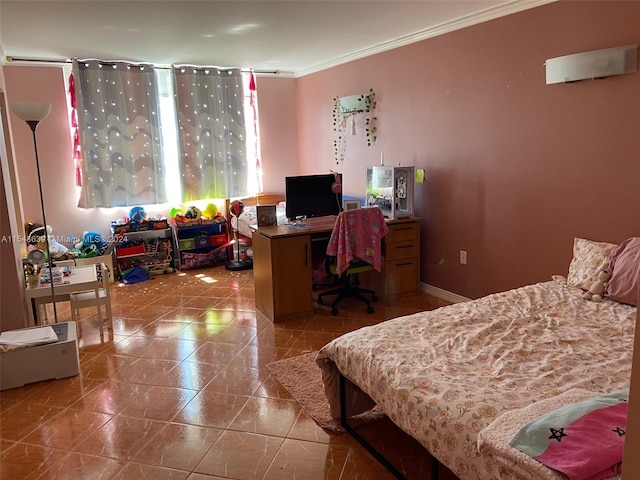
point(401, 277)
point(406, 249)
point(402, 232)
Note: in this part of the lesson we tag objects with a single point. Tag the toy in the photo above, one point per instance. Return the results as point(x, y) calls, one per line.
point(192, 213)
point(36, 240)
point(137, 214)
point(596, 290)
point(175, 211)
point(210, 211)
point(91, 245)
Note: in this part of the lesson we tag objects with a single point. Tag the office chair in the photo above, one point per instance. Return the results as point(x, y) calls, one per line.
point(354, 247)
point(94, 298)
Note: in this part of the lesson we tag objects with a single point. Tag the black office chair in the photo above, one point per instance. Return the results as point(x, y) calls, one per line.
point(354, 247)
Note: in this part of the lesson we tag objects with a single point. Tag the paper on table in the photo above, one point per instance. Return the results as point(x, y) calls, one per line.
point(29, 336)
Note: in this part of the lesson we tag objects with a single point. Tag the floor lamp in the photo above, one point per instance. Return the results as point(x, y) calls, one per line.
point(32, 113)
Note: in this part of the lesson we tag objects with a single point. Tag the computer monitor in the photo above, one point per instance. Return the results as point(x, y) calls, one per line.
point(312, 196)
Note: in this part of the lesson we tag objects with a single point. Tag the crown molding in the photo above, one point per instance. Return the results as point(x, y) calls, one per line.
point(485, 15)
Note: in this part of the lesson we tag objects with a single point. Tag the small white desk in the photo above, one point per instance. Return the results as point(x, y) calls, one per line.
point(81, 278)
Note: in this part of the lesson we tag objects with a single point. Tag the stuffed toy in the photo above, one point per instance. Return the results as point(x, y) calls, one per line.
point(192, 213)
point(36, 240)
point(210, 211)
point(596, 290)
point(91, 245)
point(137, 214)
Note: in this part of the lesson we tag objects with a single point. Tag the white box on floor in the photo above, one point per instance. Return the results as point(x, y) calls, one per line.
point(42, 362)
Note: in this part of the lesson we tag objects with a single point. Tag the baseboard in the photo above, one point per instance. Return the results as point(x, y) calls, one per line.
point(443, 294)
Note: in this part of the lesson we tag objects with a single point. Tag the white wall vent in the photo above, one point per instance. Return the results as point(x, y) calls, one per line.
point(591, 65)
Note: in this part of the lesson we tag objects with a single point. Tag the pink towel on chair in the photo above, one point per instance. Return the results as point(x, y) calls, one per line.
point(358, 234)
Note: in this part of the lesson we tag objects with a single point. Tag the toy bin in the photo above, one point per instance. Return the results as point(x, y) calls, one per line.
point(219, 239)
point(135, 250)
point(187, 243)
point(120, 227)
point(202, 242)
point(190, 260)
point(140, 226)
point(159, 224)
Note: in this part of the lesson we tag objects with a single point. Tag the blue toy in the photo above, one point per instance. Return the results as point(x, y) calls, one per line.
point(92, 245)
point(137, 214)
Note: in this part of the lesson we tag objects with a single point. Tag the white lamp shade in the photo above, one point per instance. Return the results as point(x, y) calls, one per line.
point(31, 111)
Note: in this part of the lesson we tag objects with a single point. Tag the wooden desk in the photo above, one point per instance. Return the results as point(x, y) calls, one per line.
point(282, 266)
point(81, 278)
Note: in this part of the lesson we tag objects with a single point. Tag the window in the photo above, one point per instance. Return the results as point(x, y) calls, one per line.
point(170, 141)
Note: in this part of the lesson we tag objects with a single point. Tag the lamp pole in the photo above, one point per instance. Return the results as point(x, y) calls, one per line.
point(33, 124)
point(32, 113)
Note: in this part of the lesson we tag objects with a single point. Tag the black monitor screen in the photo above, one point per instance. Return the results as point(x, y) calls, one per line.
point(312, 196)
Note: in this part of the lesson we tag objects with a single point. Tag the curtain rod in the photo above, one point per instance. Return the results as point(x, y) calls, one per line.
point(11, 59)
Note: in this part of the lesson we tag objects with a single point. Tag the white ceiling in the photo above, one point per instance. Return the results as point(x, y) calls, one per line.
point(293, 37)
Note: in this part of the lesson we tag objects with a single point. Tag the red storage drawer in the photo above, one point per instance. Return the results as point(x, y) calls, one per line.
point(218, 239)
point(137, 250)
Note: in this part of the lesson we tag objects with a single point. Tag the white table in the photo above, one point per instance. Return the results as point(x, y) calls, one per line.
point(81, 278)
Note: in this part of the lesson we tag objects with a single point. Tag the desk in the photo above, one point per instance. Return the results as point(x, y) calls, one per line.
point(282, 266)
point(81, 278)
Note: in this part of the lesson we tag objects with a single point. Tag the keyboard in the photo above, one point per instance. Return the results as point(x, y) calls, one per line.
point(318, 222)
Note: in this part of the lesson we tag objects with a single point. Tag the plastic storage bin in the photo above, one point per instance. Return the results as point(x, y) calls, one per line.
point(187, 243)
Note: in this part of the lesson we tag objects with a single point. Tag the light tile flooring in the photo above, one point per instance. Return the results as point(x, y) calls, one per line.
point(179, 390)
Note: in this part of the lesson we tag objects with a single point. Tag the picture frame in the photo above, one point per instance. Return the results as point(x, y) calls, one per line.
point(351, 204)
point(266, 215)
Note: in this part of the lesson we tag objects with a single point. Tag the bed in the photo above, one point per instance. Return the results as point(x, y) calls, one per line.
point(248, 218)
point(446, 376)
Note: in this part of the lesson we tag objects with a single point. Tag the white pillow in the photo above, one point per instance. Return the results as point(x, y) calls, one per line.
point(589, 258)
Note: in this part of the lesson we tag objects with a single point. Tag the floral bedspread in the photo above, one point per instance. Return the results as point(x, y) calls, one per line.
point(444, 375)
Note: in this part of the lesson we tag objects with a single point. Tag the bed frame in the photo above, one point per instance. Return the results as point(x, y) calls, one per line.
point(344, 422)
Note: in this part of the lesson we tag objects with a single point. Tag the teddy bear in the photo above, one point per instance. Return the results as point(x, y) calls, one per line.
point(596, 290)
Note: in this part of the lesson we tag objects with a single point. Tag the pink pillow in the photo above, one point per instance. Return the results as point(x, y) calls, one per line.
point(625, 260)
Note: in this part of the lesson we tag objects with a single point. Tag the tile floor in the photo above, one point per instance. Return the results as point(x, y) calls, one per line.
point(179, 390)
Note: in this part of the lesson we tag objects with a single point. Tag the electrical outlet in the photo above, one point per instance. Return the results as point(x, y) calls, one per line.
point(463, 257)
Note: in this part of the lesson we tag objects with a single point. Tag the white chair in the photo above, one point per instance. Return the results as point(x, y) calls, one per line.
point(42, 302)
point(94, 298)
point(41, 307)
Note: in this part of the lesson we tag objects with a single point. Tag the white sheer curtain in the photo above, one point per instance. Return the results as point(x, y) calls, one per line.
point(211, 123)
point(119, 124)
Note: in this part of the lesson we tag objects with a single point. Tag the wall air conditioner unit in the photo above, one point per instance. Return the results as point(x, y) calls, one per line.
point(591, 65)
point(355, 103)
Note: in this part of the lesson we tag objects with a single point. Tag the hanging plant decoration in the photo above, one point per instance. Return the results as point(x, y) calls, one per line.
point(345, 108)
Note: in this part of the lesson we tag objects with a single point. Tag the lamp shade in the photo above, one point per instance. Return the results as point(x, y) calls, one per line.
point(31, 111)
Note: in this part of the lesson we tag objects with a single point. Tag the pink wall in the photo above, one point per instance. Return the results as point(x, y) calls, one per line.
point(46, 84)
point(515, 168)
point(278, 130)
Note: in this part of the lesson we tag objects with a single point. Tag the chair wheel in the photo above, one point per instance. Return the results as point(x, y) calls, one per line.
point(369, 309)
point(334, 311)
point(374, 298)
